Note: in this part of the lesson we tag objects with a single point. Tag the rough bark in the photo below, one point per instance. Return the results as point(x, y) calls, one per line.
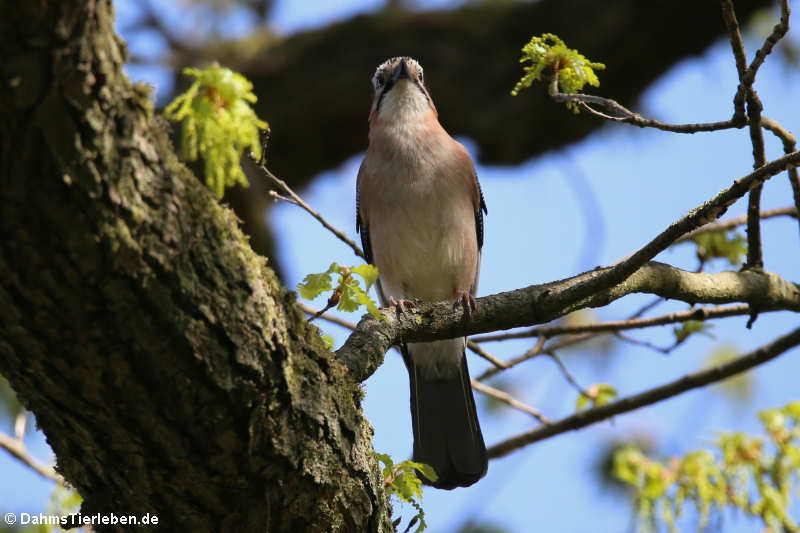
point(166, 365)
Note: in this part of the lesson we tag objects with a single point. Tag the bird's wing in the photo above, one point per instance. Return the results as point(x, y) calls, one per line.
point(361, 226)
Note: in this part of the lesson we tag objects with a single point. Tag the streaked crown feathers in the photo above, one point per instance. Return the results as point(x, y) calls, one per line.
point(384, 71)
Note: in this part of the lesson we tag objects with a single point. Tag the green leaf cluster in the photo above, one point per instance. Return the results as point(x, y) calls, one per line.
point(725, 244)
point(348, 295)
point(753, 474)
point(63, 501)
point(689, 328)
point(549, 55)
point(401, 480)
point(218, 124)
point(596, 395)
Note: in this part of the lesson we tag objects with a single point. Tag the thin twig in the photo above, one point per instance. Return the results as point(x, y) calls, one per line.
point(789, 146)
point(507, 399)
point(746, 92)
point(533, 352)
point(646, 307)
point(275, 195)
point(622, 114)
point(700, 313)
point(477, 350)
point(778, 31)
point(737, 47)
point(16, 448)
point(708, 212)
point(309, 310)
point(738, 221)
point(562, 367)
point(294, 198)
point(645, 344)
point(331, 304)
point(668, 390)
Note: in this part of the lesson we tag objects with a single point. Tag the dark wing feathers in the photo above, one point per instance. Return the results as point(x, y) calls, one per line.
point(363, 230)
point(479, 215)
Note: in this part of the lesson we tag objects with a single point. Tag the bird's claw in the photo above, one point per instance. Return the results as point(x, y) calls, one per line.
point(402, 304)
point(466, 300)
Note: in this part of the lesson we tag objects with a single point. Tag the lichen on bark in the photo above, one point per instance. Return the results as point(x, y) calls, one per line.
point(167, 366)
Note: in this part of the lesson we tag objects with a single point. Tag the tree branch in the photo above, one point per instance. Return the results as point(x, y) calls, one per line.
point(668, 390)
point(789, 146)
point(700, 313)
point(624, 115)
point(17, 449)
point(738, 221)
point(509, 400)
point(294, 198)
point(364, 349)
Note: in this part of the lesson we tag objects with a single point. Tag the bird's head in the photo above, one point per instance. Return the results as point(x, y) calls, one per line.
point(400, 92)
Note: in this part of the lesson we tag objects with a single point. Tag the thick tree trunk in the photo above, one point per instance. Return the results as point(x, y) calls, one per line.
point(167, 367)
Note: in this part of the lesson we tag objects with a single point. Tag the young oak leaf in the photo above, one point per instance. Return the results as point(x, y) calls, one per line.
point(690, 327)
point(598, 394)
point(348, 295)
point(725, 244)
point(549, 54)
point(368, 272)
point(402, 481)
point(315, 284)
point(218, 124)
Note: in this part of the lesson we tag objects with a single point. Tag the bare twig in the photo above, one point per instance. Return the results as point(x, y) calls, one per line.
point(668, 390)
point(737, 46)
point(708, 212)
point(789, 146)
point(507, 399)
point(309, 310)
point(566, 373)
point(297, 200)
point(477, 350)
point(622, 114)
point(645, 344)
point(746, 92)
point(277, 196)
point(646, 307)
point(738, 221)
point(700, 313)
point(16, 448)
point(778, 31)
point(331, 304)
point(530, 354)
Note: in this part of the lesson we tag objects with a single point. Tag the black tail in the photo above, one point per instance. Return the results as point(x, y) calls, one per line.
point(447, 435)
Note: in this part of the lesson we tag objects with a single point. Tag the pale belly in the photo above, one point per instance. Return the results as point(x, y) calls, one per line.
point(425, 251)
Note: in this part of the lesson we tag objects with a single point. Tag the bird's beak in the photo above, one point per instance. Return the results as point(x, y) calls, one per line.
point(400, 72)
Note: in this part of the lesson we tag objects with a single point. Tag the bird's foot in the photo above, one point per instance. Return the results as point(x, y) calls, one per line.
point(402, 304)
point(467, 301)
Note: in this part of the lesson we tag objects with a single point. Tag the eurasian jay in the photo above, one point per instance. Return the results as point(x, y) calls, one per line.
point(420, 214)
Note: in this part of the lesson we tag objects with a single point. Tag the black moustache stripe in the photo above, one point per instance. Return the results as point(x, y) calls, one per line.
point(391, 83)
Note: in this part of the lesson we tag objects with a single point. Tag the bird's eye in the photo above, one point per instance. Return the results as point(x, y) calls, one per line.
point(379, 80)
point(420, 77)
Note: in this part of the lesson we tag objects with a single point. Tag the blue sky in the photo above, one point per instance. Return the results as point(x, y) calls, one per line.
point(639, 181)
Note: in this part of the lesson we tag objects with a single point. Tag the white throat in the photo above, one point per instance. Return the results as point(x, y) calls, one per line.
point(403, 102)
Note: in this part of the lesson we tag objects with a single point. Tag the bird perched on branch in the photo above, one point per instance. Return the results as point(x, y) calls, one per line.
point(420, 214)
